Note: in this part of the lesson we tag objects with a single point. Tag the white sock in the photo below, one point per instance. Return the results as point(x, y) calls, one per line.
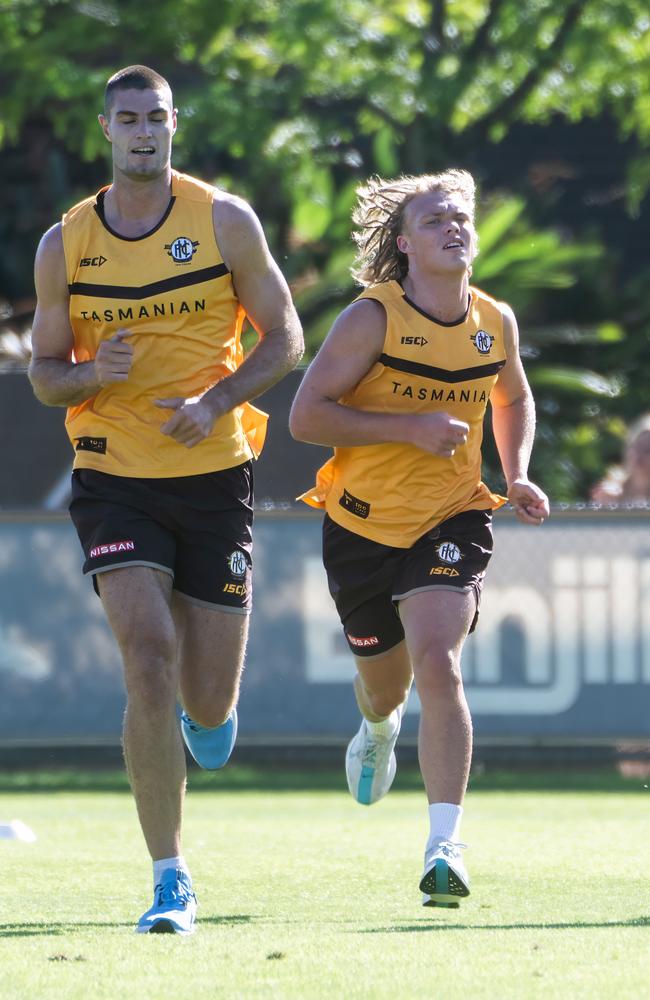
point(444, 818)
point(386, 727)
point(164, 864)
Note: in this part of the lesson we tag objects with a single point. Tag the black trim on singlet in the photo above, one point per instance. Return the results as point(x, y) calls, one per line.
point(99, 208)
point(441, 374)
point(433, 319)
point(155, 288)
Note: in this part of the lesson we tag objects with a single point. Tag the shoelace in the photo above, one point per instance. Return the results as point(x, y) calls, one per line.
point(369, 756)
point(374, 747)
point(450, 848)
point(170, 892)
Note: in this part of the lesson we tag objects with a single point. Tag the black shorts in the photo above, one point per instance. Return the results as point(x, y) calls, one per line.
point(196, 528)
point(367, 579)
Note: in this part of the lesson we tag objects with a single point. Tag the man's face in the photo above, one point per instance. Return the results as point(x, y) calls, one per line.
point(140, 126)
point(438, 233)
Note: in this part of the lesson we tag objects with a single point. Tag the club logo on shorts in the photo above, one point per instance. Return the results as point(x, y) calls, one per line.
point(482, 341)
point(447, 552)
point(237, 563)
point(182, 249)
point(110, 547)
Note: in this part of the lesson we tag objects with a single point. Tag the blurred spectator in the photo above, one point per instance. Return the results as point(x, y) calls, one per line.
point(629, 483)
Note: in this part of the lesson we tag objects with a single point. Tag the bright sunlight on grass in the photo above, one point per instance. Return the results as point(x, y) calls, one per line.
point(305, 895)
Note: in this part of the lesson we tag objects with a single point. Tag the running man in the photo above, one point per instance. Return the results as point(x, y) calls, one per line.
point(142, 291)
point(399, 389)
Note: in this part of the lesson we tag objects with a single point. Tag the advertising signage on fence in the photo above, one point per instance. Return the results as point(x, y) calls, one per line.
point(561, 652)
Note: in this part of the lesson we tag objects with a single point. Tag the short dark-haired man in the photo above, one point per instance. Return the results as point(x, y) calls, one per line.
point(142, 293)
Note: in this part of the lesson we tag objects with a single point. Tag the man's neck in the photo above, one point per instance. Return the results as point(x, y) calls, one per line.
point(132, 208)
point(441, 296)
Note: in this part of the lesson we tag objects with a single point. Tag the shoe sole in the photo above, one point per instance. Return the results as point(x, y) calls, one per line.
point(162, 927)
point(196, 753)
point(441, 884)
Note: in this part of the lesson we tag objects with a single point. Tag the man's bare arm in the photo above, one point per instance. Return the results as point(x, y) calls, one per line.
point(55, 378)
point(353, 346)
point(265, 296)
point(513, 425)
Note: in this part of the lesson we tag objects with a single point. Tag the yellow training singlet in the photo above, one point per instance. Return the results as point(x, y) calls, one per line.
point(172, 289)
point(394, 493)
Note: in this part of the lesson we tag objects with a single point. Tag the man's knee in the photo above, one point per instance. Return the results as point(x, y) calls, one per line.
point(383, 702)
point(438, 673)
point(150, 670)
point(210, 710)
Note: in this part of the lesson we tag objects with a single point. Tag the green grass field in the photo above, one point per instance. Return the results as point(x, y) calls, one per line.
point(304, 894)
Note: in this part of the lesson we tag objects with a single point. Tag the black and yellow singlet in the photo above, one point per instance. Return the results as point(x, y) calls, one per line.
point(394, 493)
point(172, 289)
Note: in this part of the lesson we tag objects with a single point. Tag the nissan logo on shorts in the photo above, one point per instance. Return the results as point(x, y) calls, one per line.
point(447, 552)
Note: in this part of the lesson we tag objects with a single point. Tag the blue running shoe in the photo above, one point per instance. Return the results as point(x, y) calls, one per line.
point(174, 906)
point(210, 748)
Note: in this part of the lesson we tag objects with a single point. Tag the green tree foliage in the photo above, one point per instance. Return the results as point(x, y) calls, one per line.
point(292, 102)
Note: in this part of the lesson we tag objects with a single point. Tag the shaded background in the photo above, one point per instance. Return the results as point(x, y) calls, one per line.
point(291, 104)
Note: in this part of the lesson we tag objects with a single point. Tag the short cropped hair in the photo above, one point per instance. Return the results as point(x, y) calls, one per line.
point(379, 218)
point(133, 78)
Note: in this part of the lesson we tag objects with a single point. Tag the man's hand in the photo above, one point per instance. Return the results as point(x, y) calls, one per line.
point(438, 433)
point(191, 422)
point(529, 502)
point(114, 359)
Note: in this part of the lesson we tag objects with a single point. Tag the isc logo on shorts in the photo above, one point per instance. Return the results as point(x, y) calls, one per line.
point(235, 588)
point(447, 552)
point(443, 571)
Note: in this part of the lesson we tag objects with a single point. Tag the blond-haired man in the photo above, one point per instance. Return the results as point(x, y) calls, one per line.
point(399, 389)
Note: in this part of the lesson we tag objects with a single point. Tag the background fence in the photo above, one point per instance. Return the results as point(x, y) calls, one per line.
point(561, 654)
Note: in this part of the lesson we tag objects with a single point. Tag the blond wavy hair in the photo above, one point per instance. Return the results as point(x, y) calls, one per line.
point(379, 218)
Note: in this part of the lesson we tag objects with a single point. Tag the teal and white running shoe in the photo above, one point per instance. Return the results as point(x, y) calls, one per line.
point(370, 763)
point(210, 748)
point(445, 880)
point(174, 906)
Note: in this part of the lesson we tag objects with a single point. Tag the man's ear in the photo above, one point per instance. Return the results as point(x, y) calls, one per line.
point(402, 244)
point(103, 121)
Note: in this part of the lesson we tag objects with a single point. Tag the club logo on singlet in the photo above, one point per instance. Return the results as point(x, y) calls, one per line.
point(182, 249)
point(482, 341)
point(237, 563)
point(447, 552)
